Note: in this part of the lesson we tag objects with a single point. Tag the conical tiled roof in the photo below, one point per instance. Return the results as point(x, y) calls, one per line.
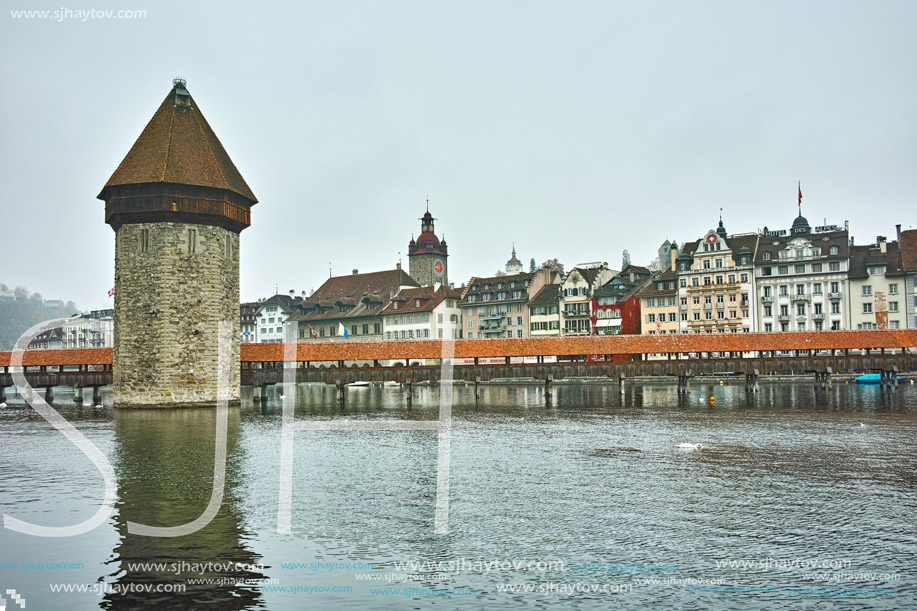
point(178, 146)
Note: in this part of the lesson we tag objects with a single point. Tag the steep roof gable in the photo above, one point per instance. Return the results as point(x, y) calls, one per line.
point(178, 146)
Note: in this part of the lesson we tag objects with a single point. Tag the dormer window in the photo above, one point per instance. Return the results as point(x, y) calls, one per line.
point(417, 303)
point(394, 305)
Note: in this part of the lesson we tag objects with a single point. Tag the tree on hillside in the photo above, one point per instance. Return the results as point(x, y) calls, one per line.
point(20, 293)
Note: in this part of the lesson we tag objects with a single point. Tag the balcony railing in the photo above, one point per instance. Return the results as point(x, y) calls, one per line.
point(819, 316)
point(802, 297)
point(784, 318)
point(708, 306)
point(767, 299)
point(834, 296)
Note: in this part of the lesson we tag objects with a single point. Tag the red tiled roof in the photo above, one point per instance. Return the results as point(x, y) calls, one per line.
point(80, 356)
point(407, 300)
point(178, 146)
point(611, 344)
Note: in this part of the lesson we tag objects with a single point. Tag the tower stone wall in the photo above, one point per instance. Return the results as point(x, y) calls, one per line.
point(177, 205)
point(174, 284)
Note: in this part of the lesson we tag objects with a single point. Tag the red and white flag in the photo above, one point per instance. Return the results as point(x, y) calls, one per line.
point(800, 194)
point(312, 331)
point(111, 292)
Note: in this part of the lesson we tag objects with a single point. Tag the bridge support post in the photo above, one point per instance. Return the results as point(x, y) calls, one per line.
point(409, 387)
point(96, 395)
point(894, 373)
point(262, 394)
point(49, 395)
point(77, 394)
point(2, 394)
point(477, 388)
point(684, 384)
point(621, 383)
point(548, 389)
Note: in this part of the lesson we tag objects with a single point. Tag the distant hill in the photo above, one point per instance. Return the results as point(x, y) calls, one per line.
point(20, 310)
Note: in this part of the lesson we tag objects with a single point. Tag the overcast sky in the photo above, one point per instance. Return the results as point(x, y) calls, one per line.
point(574, 129)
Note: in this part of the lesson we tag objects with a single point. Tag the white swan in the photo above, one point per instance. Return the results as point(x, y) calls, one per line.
point(3, 404)
point(690, 446)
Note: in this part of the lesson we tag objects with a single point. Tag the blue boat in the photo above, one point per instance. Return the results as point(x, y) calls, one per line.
point(874, 378)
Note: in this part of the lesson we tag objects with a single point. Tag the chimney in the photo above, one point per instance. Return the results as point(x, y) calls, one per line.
point(355, 271)
point(881, 242)
point(398, 265)
point(898, 231)
point(673, 255)
point(292, 293)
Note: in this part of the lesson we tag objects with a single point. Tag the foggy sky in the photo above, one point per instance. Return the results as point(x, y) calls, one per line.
point(574, 129)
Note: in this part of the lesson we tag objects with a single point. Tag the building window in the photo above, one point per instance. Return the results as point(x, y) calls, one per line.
point(867, 308)
point(767, 256)
point(800, 309)
point(835, 308)
point(800, 269)
point(892, 289)
point(892, 306)
point(783, 270)
point(816, 268)
point(867, 290)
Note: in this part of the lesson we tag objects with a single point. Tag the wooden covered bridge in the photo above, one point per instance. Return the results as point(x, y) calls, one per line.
point(680, 357)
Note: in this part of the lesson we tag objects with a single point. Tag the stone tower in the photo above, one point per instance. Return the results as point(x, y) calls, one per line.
point(428, 256)
point(177, 205)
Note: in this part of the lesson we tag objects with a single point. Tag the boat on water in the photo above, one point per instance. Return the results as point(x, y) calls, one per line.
point(360, 384)
point(874, 378)
point(392, 384)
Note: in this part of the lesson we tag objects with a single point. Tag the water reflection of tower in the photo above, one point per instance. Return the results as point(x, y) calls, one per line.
point(165, 466)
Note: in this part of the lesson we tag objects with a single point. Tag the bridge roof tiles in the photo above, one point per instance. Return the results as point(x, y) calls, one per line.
point(613, 344)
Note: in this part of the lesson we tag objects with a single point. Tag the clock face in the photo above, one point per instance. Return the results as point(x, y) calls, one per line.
point(711, 239)
point(439, 267)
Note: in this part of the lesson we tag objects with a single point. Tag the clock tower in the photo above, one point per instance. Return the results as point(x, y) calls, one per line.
point(428, 255)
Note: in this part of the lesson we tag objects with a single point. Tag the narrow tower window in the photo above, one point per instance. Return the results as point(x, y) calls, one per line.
point(192, 240)
point(144, 240)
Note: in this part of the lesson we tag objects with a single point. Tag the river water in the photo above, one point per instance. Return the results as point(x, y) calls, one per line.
point(798, 498)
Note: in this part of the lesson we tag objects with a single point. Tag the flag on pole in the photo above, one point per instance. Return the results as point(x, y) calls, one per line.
point(800, 194)
point(343, 330)
point(312, 332)
point(111, 292)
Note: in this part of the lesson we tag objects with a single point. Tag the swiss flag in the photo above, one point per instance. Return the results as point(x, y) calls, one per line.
point(800, 194)
point(111, 292)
